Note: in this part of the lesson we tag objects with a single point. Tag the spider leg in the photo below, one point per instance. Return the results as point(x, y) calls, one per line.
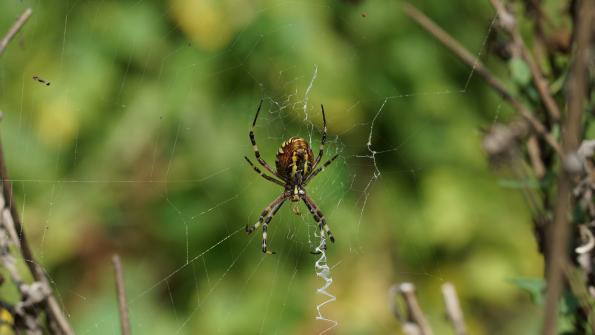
point(318, 217)
point(255, 147)
point(265, 217)
point(320, 169)
point(265, 213)
point(265, 225)
point(323, 141)
point(264, 175)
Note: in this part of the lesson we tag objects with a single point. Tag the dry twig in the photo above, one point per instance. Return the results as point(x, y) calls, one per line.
point(578, 286)
point(27, 319)
point(15, 29)
point(558, 235)
point(508, 22)
point(475, 63)
point(415, 323)
point(55, 315)
point(535, 157)
point(53, 309)
point(120, 289)
point(453, 308)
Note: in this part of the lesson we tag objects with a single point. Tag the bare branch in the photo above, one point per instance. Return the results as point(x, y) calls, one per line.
point(9, 262)
point(453, 308)
point(15, 29)
point(508, 22)
point(535, 157)
point(415, 323)
point(578, 286)
point(54, 310)
point(55, 315)
point(454, 46)
point(475, 63)
point(558, 235)
point(120, 288)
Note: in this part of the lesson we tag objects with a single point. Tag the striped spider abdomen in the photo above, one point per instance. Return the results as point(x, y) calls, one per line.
point(294, 160)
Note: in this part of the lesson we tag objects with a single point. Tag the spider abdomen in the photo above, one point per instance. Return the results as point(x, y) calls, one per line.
point(294, 158)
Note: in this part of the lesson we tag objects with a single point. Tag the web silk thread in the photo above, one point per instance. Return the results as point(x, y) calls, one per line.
point(324, 271)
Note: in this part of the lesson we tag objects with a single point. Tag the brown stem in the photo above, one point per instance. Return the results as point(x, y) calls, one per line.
point(453, 308)
point(15, 29)
point(509, 23)
point(571, 132)
point(535, 157)
point(54, 312)
point(578, 287)
point(415, 314)
point(483, 71)
point(120, 289)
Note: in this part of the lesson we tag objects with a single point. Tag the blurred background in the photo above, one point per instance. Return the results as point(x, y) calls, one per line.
point(136, 147)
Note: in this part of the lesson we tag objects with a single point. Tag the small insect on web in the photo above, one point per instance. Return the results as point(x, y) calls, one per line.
point(41, 80)
point(295, 168)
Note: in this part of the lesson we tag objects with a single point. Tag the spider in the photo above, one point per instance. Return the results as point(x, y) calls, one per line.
point(295, 168)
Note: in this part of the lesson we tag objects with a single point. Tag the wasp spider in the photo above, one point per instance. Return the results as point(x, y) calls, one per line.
point(295, 168)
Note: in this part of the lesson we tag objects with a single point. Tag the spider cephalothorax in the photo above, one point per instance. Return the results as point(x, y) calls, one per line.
point(295, 167)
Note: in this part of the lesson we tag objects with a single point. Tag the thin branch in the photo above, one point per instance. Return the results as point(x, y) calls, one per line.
point(25, 308)
point(15, 29)
point(393, 305)
point(578, 286)
point(453, 308)
point(508, 22)
point(53, 309)
point(536, 125)
point(538, 79)
point(454, 46)
point(483, 71)
point(120, 288)
point(535, 157)
point(571, 131)
point(414, 313)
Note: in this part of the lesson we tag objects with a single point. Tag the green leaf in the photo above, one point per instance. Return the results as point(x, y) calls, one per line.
point(533, 286)
point(520, 71)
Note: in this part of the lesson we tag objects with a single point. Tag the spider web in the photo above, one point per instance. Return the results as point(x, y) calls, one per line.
point(204, 273)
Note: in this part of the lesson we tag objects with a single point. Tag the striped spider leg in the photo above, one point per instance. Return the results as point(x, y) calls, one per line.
point(255, 147)
point(265, 217)
point(319, 218)
point(264, 175)
point(323, 141)
point(320, 169)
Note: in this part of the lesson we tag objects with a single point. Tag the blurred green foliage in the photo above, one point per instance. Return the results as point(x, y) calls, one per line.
point(137, 148)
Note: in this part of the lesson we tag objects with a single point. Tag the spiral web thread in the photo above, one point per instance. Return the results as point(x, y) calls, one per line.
point(324, 271)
